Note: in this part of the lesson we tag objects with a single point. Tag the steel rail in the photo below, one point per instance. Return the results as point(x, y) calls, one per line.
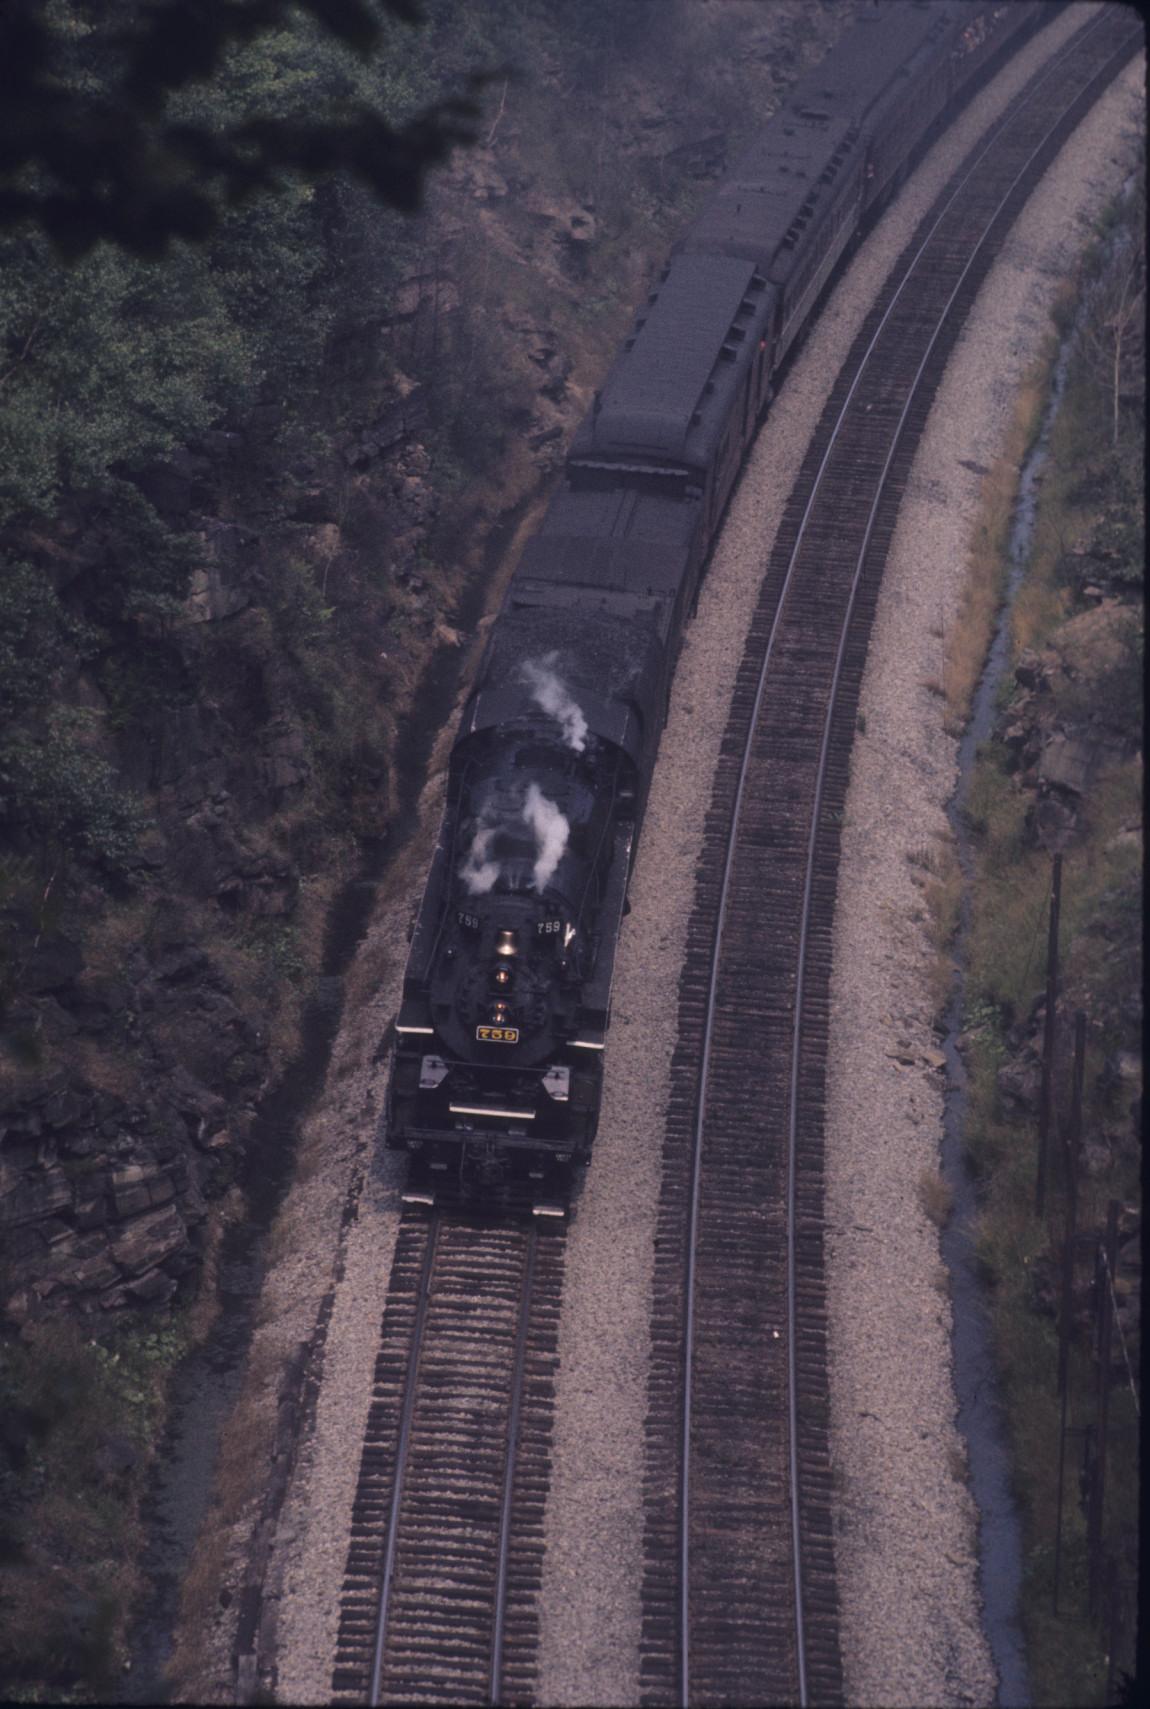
point(820, 780)
point(513, 1426)
point(406, 1433)
point(401, 1451)
point(994, 135)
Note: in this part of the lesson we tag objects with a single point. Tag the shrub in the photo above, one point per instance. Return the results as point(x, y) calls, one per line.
point(935, 1197)
point(37, 636)
point(57, 794)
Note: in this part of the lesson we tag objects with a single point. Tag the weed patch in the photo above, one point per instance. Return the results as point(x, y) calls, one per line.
point(1019, 1253)
point(935, 1197)
point(78, 1419)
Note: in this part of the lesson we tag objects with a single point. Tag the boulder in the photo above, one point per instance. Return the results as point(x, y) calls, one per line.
point(1032, 671)
point(1020, 1084)
point(211, 596)
point(205, 1111)
point(394, 424)
point(33, 1198)
point(91, 1274)
point(139, 1187)
point(1066, 762)
point(155, 1287)
point(52, 965)
point(147, 1240)
point(1096, 643)
point(96, 1003)
point(91, 1207)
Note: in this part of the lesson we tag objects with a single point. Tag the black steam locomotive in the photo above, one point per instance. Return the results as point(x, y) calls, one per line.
point(506, 1001)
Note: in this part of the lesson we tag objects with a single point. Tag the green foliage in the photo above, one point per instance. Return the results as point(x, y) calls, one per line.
point(58, 794)
point(105, 135)
point(77, 1416)
point(37, 637)
point(277, 945)
point(297, 604)
point(108, 362)
point(137, 681)
point(142, 577)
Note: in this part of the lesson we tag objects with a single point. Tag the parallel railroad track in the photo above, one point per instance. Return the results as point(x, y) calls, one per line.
point(446, 1550)
point(739, 1595)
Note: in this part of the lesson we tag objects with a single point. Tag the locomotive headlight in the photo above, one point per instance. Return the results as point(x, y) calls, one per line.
point(432, 1070)
point(557, 1082)
point(505, 942)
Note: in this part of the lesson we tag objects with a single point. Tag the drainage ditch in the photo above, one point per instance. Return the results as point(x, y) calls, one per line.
point(979, 1411)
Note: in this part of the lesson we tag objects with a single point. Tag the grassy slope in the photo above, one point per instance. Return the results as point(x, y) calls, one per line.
point(1100, 973)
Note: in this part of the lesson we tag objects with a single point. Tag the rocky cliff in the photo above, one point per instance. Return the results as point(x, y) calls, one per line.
point(229, 748)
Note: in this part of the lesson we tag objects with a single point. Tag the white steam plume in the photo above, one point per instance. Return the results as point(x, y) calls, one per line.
point(551, 831)
point(477, 872)
point(551, 693)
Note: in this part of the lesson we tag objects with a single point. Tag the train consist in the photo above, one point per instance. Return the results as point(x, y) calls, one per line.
point(498, 1062)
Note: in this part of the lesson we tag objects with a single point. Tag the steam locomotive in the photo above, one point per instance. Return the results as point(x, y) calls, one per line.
point(498, 1064)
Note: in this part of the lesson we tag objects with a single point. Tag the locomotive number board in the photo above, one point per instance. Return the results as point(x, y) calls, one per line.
point(497, 1035)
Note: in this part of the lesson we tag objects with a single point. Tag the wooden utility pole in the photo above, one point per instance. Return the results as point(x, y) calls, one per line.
point(1107, 1258)
point(1073, 1141)
point(1048, 1037)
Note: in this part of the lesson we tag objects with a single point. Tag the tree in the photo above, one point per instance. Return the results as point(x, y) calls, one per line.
point(1113, 331)
point(99, 139)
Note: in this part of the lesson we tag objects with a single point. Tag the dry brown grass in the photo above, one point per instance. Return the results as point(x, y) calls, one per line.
point(938, 875)
point(969, 638)
point(957, 1463)
point(107, 941)
point(936, 1197)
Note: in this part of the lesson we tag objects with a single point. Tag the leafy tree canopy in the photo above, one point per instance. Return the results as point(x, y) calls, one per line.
point(102, 134)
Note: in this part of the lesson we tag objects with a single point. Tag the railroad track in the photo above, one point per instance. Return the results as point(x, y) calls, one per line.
point(739, 1594)
point(446, 1549)
point(439, 1602)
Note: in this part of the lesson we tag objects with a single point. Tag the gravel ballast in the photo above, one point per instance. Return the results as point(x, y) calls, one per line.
point(911, 1631)
point(905, 1515)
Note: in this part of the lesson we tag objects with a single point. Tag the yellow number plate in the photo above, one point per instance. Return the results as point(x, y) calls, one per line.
point(497, 1035)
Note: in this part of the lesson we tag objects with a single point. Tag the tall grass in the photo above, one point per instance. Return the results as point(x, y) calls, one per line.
point(987, 559)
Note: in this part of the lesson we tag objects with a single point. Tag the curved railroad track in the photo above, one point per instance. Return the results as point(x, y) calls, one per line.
point(445, 1557)
point(739, 1595)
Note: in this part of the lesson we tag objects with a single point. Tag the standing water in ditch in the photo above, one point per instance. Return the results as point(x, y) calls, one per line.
point(979, 1419)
